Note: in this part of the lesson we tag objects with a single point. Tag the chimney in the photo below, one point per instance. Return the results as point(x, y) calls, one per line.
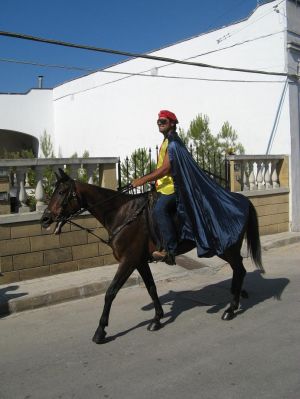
point(40, 81)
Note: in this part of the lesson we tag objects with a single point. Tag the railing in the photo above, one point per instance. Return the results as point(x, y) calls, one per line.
point(142, 162)
point(26, 183)
point(258, 172)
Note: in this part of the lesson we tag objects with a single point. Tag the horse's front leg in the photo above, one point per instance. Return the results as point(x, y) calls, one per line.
point(147, 277)
point(123, 273)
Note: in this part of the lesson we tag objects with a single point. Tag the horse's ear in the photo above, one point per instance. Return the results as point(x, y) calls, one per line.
point(57, 176)
point(63, 175)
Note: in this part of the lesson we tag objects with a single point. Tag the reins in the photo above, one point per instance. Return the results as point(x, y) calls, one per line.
point(124, 190)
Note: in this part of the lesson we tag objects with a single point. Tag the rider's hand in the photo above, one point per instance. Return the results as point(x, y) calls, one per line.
point(137, 182)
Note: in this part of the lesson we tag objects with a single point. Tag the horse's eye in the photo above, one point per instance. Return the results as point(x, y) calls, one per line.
point(60, 193)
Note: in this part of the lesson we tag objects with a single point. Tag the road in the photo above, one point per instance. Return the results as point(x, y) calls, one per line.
point(48, 353)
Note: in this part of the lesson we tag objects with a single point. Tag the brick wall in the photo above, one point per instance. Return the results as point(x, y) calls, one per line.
point(27, 251)
point(272, 211)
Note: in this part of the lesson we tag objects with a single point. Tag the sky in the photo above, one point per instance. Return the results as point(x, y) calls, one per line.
point(137, 26)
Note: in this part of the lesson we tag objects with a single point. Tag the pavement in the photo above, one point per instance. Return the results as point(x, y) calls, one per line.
point(32, 294)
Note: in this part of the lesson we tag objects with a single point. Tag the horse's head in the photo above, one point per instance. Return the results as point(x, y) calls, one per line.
point(63, 203)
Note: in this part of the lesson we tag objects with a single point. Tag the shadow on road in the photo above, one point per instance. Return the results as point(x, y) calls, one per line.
point(6, 296)
point(214, 296)
point(217, 296)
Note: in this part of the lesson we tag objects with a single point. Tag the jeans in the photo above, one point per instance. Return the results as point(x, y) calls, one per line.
point(163, 213)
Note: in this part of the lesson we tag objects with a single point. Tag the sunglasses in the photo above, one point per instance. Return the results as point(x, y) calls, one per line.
point(162, 122)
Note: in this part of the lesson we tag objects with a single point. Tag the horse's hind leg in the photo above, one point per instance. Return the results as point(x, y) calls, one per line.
point(147, 277)
point(236, 262)
point(123, 273)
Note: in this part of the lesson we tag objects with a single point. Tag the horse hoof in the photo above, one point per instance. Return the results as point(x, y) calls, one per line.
point(99, 338)
point(154, 326)
point(228, 315)
point(244, 294)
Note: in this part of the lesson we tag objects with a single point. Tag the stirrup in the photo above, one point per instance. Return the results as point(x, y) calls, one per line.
point(164, 256)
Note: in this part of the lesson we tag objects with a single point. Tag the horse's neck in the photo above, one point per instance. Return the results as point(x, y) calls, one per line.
point(99, 201)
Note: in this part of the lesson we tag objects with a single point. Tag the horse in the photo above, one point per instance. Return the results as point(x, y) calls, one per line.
point(126, 217)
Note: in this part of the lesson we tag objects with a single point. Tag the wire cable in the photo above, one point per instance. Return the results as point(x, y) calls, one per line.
point(137, 55)
point(35, 63)
point(167, 77)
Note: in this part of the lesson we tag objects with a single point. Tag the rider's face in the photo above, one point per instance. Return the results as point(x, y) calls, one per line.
point(164, 125)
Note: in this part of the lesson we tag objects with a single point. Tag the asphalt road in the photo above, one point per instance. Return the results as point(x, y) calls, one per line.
point(48, 353)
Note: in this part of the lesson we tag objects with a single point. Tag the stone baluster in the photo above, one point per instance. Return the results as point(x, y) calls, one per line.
point(21, 193)
point(23, 208)
point(259, 176)
point(26, 179)
point(252, 182)
point(39, 191)
point(90, 171)
point(274, 174)
point(245, 177)
point(267, 176)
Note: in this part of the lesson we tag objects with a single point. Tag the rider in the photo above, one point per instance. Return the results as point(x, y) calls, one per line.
point(166, 202)
point(211, 216)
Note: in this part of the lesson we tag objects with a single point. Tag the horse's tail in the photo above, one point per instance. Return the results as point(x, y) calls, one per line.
point(253, 240)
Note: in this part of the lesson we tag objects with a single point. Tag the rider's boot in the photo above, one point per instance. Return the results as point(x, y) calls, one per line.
point(164, 256)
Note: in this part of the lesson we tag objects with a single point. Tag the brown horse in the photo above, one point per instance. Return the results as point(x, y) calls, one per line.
point(126, 218)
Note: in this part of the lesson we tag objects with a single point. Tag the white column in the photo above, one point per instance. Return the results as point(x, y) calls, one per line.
point(274, 174)
point(252, 182)
point(267, 176)
point(259, 178)
point(39, 191)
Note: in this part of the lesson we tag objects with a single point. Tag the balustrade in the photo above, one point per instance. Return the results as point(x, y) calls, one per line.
point(32, 180)
point(258, 172)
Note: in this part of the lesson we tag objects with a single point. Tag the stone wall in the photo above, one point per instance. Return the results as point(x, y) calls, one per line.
point(27, 251)
point(272, 210)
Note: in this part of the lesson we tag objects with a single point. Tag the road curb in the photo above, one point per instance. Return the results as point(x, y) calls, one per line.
point(281, 242)
point(52, 298)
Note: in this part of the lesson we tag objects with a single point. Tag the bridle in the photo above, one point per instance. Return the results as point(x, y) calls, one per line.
point(72, 194)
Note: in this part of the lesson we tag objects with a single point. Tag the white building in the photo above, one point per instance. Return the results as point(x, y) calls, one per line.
point(111, 114)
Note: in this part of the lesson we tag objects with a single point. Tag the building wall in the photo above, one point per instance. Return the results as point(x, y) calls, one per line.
point(30, 113)
point(293, 64)
point(111, 114)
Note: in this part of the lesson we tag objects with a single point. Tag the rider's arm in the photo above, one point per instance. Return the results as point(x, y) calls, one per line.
point(164, 170)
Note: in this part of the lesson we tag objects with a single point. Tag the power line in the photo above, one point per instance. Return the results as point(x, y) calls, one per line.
point(69, 67)
point(131, 74)
point(166, 77)
point(76, 68)
point(34, 63)
point(137, 55)
point(226, 47)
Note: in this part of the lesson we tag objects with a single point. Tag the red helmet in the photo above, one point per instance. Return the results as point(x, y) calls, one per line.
point(167, 114)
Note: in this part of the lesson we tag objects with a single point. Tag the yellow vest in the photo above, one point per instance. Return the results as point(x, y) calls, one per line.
point(164, 185)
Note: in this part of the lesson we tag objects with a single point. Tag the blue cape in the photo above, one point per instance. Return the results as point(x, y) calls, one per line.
point(211, 216)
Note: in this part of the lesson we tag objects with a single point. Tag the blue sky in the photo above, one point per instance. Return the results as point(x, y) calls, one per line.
point(128, 25)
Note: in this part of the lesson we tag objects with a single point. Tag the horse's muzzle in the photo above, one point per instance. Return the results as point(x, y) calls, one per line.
point(46, 219)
